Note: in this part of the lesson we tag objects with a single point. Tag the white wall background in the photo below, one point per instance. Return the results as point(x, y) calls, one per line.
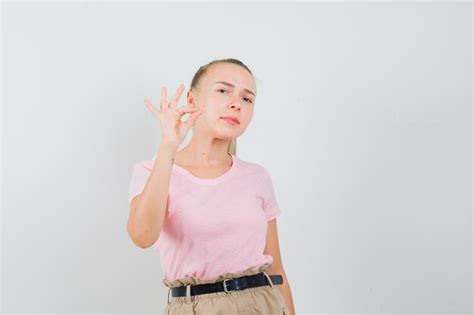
point(363, 119)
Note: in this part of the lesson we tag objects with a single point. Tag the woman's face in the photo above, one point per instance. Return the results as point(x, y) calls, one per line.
point(224, 90)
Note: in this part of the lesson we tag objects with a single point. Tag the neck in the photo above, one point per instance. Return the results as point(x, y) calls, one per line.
point(207, 153)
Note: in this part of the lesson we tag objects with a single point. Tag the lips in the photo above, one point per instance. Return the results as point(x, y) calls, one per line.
point(233, 118)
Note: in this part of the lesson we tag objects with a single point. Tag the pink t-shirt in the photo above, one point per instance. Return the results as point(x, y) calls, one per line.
point(212, 226)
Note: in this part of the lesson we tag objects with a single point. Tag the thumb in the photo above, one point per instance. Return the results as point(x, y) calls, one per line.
point(192, 118)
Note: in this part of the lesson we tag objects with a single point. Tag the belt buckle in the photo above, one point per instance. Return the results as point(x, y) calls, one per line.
point(224, 284)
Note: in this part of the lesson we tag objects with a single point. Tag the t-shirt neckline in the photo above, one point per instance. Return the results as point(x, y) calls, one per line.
point(208, 181)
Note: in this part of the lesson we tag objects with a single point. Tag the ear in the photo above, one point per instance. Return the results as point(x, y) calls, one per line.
point(190, 99)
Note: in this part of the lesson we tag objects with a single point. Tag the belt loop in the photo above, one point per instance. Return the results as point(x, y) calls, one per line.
point(268, 278)
point(188, 293)
point(169, 290)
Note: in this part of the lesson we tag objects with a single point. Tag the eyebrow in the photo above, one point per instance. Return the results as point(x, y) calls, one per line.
point(231, 85)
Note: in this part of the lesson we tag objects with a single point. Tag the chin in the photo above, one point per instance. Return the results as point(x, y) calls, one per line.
point(228, 135)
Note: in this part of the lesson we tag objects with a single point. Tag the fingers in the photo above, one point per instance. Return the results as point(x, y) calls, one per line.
point(190, 121)
point(151, 108)
point(163, 100)
point(177, 95)
point(187, 109)
point(164, 97)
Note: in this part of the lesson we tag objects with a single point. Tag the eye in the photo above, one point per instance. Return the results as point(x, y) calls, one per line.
point(248, 100)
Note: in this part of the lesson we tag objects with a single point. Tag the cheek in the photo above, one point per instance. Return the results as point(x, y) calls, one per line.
point(210, 116)
point(212, 112)
point(247, 116)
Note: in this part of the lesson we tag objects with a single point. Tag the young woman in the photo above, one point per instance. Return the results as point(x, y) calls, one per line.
point(210, 215)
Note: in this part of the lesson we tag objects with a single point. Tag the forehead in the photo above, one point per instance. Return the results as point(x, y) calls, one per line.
point(234, 74)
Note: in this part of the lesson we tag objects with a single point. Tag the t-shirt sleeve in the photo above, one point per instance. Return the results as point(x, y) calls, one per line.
point(270, 204)
point(140, 174)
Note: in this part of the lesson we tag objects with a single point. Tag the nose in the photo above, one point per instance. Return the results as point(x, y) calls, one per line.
point(235, 104)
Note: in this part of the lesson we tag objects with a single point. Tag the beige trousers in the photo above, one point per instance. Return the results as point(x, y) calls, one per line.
point(263, 300)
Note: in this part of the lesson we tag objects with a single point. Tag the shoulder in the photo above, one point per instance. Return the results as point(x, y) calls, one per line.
point(144, 165)
point(253, 168)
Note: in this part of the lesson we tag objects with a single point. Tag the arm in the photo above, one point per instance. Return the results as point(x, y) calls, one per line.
point(147, 210)
point(272, 247)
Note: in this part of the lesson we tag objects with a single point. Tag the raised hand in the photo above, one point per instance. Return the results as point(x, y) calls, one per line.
point(173, 129)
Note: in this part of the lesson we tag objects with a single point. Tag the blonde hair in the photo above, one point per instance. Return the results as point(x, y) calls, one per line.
point(197, 78)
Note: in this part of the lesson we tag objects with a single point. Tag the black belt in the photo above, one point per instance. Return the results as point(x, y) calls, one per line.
point(227, 285)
